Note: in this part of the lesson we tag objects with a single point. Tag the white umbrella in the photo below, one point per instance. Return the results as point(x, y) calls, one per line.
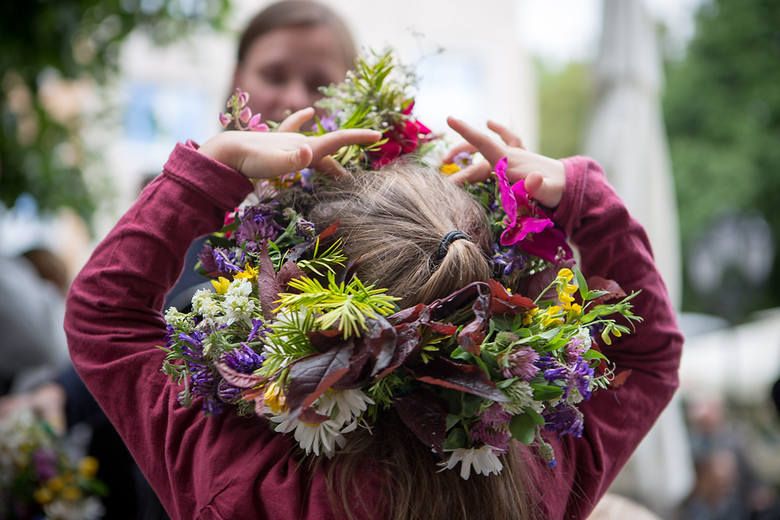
point(626, 136)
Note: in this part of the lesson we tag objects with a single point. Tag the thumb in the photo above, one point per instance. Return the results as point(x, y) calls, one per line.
point(544, 190)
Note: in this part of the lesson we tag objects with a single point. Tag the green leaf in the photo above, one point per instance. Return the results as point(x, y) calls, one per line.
point(523, 428)
point(582, 284)
point(452, 420)
point(456, 439)
point(545, 392)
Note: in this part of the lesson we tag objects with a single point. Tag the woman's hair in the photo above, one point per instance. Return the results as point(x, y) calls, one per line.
point(297, 14)
point(393, 221)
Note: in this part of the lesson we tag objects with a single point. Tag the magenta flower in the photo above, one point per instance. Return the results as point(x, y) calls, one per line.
point(526, 224)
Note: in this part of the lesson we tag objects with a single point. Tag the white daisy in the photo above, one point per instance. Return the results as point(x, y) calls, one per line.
point(483, 460)
point(237, 308)
point(343, 407)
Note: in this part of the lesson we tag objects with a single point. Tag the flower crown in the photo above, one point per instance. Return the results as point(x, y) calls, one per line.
point(289, 334)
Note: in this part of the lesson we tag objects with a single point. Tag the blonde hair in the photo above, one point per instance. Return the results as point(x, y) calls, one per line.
point(393, 221)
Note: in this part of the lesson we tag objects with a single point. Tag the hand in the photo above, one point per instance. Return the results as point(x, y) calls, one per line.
point(264, 155)
point(48, 402)
point(545, 178)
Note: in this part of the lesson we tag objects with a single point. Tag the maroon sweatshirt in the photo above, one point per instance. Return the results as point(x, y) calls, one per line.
point(227, 467)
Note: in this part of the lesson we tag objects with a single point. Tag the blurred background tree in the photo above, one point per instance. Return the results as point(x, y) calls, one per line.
point(71, 42)
point(565, 101)
point(722, 110)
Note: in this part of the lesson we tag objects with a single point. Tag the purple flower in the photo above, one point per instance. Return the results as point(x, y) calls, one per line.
point(495, 416)
point(580, 378)
point(328, 123)
point(564, 419)
point(520, 363)
point(498, 438)
point(509, 260)
point(257, 224)
point(45, 462)
point(243, 359)
point(463, 159)
point(227, 393)
point(258, 330)
point(551, 369)
point(228, 262)
point(194, 346)
point(256, 124)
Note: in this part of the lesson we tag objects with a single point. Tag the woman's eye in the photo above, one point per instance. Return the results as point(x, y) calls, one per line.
point(274, 76)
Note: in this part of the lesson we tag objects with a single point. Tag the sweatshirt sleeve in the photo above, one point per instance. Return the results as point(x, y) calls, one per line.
point(614, 246)
point(114, 323)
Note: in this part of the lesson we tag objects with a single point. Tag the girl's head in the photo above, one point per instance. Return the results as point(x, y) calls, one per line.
point(393, 222)
point(289, 50)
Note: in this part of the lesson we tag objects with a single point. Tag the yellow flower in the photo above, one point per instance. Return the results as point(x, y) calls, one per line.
point(221, 285)
point(249, 273)
point(43, 495)
point(449, 168)
point(55, 484)
point(552, 316)
point(566, 274)
point(576, 309)
point(88, 467)
point(565, 299)
point(71, 494)
point(528, 317)
point(273, 397)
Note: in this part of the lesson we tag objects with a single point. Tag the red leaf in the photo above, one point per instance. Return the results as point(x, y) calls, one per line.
point(504, 303)
point(238, 379)
point(407, 345)
point(288, 271)
point(267, 288)
point(459, 376)
point(614, 291)
point(311, 376)
point(424, 413)
point(621, 378)
point(473, 334)
point(329, 231)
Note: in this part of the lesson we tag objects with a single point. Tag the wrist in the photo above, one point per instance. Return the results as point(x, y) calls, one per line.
point(222, 148)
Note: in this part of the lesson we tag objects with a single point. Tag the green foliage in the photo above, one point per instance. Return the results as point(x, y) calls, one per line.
point(722, 111)
point(348, 304)
point(324, 261)
point(68, 39)
point(564, 103)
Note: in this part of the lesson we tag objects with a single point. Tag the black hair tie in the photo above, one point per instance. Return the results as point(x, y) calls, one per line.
point(444, 245)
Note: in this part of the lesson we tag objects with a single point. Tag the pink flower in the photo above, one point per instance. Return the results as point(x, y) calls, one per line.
point(225, 119)
point(245, 114)
point(526, 224)
point(243, 97)
point(256, 125)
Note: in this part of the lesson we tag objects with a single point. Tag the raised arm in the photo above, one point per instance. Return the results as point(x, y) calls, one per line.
point(113, 319)
point(613, 246)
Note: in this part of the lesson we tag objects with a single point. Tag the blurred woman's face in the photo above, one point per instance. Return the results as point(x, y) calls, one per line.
point(282, 70)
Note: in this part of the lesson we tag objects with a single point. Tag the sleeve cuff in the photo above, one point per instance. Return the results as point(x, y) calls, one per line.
point(223, 185)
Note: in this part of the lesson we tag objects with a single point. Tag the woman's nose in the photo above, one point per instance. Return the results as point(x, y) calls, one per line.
point(296, 96)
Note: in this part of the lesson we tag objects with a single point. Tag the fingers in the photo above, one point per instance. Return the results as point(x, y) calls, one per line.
point(455, 150)
point(331, 167)
point(509, 137)
point(490, 149)
point(477, 172)
point(329, 143)
point(547, 191)
point(295, 121)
